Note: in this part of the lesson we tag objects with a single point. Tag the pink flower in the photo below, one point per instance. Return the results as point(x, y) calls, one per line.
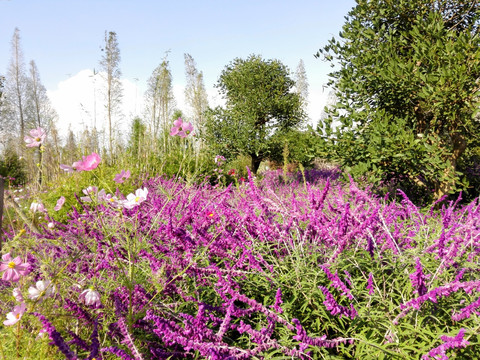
point(17, 294)
point(89, 162)
point(60, 203)
point(93, 194)
point(90, 297)
point(135, 199)
point(34, 207)
point(15, 316)
point(36, 138)
point(182, 129)
point(122, 176)
point(13, 268)
point(112, 200)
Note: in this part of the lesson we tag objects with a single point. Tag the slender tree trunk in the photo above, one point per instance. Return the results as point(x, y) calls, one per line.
point(256, 160)
point(447, 184)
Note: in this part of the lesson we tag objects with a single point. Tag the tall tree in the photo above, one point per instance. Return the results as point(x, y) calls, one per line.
point(408, 87)
point(260, 102)
point(15, 88)
point(38, 110)
point(109, 65)
point(301, 84)
point(195, 93)
point(160, 101)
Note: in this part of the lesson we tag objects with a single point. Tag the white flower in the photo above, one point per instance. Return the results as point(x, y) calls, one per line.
point(90, 297)
point(42, 289)
point(34, 207)
point(135, 199)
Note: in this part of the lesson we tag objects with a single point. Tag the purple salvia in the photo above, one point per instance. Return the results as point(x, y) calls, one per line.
point(80, 313)
point(449, 342)
point(95, 344)
point(467, 311)
point(418, 279)
point(118, 352)
point(434, 294)
point(334, 308)
point(278, 301)
point(76, 340)
point(370, 286)
point(56, 338)
point(337, 283)
point(128, 340)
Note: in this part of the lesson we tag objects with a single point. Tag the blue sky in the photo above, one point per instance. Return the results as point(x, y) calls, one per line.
point(64, 36)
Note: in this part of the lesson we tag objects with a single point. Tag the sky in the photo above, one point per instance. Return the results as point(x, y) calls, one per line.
point(64, 38)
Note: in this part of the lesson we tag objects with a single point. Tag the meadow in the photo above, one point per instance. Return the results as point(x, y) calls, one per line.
point(276, 266)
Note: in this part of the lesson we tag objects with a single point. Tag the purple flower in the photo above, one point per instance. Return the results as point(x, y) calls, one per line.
point(370, 287)
point(122, 176)
point(418, 279)
point(449, 342)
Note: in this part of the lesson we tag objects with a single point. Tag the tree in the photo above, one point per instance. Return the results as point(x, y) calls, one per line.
point(114, 90)
point(260, 102)
point(160, 101)
point(40, 112)
point(15, 90)
point(407, 88)
point(301, 83)
point(38, 109)
point(195, 93)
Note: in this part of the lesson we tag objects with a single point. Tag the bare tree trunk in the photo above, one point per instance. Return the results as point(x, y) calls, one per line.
point(444, 187)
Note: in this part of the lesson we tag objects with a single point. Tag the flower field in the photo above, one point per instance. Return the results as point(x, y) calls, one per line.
point(266, 269)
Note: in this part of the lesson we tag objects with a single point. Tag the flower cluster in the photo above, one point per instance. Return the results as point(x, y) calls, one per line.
point(181, 128)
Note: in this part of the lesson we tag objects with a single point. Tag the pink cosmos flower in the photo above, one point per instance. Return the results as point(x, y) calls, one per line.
point(89, 162)
point(13, 268)
point(17, 294)
point(15, 316)
point(93, 194)
point(112, 200)
point(90, 297)
point(122, 176)
point(60, 203)
point(42, 289)
point(182, 129)
point(36, 138)
point(135, 199)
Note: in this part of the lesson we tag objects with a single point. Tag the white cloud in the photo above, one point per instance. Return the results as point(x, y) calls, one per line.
point(79, 102)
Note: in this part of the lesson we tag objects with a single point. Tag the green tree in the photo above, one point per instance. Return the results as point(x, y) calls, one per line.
point(110, 67)
point(160, 102)
point(407, 88)
point(260, 102)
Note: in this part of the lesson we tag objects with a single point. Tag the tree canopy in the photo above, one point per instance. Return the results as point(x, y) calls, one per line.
point(260, 103)
point(407, 87)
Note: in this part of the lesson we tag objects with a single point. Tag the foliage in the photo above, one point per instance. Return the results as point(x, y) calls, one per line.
point(309, 271)
point(260, 101)
point(407, 69)
point(13, 168)
point(303, 147)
